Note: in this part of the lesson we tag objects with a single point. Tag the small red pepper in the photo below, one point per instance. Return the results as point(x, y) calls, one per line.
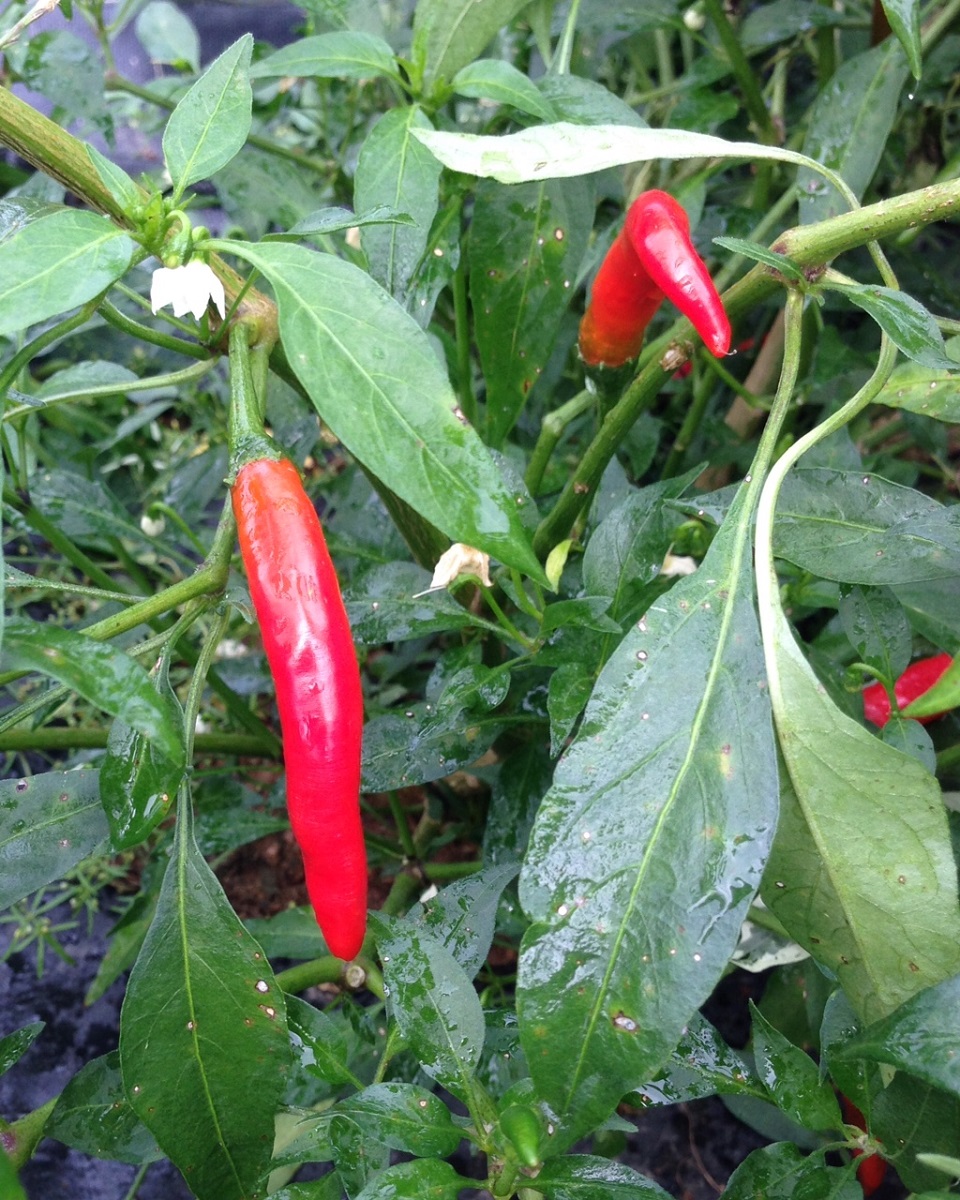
point(918, 678)
point(652, 258)
point(872, 1168)
point(309, 647)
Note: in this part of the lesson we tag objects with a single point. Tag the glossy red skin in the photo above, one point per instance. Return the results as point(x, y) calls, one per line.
point(871, 1169)
point(622, 304)
point(652, 258)
point(659, 230)
point(306, 636)
point(918, 678)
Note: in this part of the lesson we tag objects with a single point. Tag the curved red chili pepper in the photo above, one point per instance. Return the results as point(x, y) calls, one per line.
point(308, 644)
point(918, 678)
point(652, 258)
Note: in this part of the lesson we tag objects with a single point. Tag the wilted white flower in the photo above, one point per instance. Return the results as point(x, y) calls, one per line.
point(460, 560)
point(188, 289)
point(678, 564)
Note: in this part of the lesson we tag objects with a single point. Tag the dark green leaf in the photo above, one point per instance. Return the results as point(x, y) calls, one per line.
point(924, 390)
point(203, 1016)
point(432, 1000)
point(920, 1037)
point(500, 81)
point(48, 823)
point(904, 18)
point(292, 933)
point(585, 102)
point(117, 182)
point(859, 528)
point(336, 220)
point(849, 126)
point(56, 263)
point(344, 54)
point(16, 1044)
point(904, 320)
point(792, 1077)
point(359, 1159)
point(526, 246)
point(567, 694)
point(702, 1064)
point(668, 790)
point(781, 20)
point(757, 253)
point(93, 1115)
point(861, 873)
point(210, 124)
point(397, 170)
point(375, 380)
point(589, 1177)
point(258, 190)
point(392, 603)
point(586, 612)
point(101, 674)
point(781, 1172)
point(425, 1179)
point(322, 1042)
point(448, 34)
point(912, 1118)
point(463, 915)
point(874, 621)
point(84, 509)
point(515, 797)
point(404, 1117)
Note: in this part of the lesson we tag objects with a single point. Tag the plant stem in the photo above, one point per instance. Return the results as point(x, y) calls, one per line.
point(551, 430)
point(47, 338)
point(468, 401)
point(154, 337)
point(564, 51)
point(691, 423)
point(743, 72)
point(64, 737)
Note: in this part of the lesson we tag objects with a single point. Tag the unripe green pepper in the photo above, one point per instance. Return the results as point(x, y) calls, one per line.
point(522, 1127)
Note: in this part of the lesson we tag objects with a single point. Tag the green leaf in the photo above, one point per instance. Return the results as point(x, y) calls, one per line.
point(336, 220)
point(526, 247)
point(94, 1116)
point(322, 1042)
point(858, 528)
point(567, 694)
point(586, 612)
point(782, 1172)
point(912, 1119)
point(56, 263)
point(138, 783)
point(500, 81)
point(702, 1064)
point(392, 603)
point(876, 625)
point(792, 1077)
point(565, 149)
point(404, 1117)
point(168, 35)
point(397, 170)
point(210, 124)
point(463, 915)
point(924, 390)
point(944, 694)
point(117, 182)
point(585, 102)
point(668, 790)
point(101, 674)
point(14, 1045)
point(432, 1000)
point(69, 74)
point(904, 320)
point(589, 1177)
point(426, 1179)
point(850, 123)
point(920, 1037)
point(48, 823)
point(757, 253)
point(515, 796)
point(203, 1016)
point(904, 18)
point(84, 509)
point(861, 873)
point(340, 55)
point(374, 379)
point(448, 34)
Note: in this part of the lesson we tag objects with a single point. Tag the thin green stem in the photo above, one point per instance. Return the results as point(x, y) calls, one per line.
point(59, 540)
point(247, 438)
point(145, 333)
point(403, 829)
point(504, 621)
point(191, 709)
point(564, 52)
point(743, 72)
point(661, 41)
point(687, 431)
point(65, 737)
point(468, 401)
point(137, 1180)
point(47, 338)
point(551, 431)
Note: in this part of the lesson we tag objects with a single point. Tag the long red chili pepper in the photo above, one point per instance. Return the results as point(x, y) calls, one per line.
point(918, 678)
point(307, 639)
point(652, 258)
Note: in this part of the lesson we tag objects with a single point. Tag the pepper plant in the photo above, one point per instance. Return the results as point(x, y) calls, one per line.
point(613, 622)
